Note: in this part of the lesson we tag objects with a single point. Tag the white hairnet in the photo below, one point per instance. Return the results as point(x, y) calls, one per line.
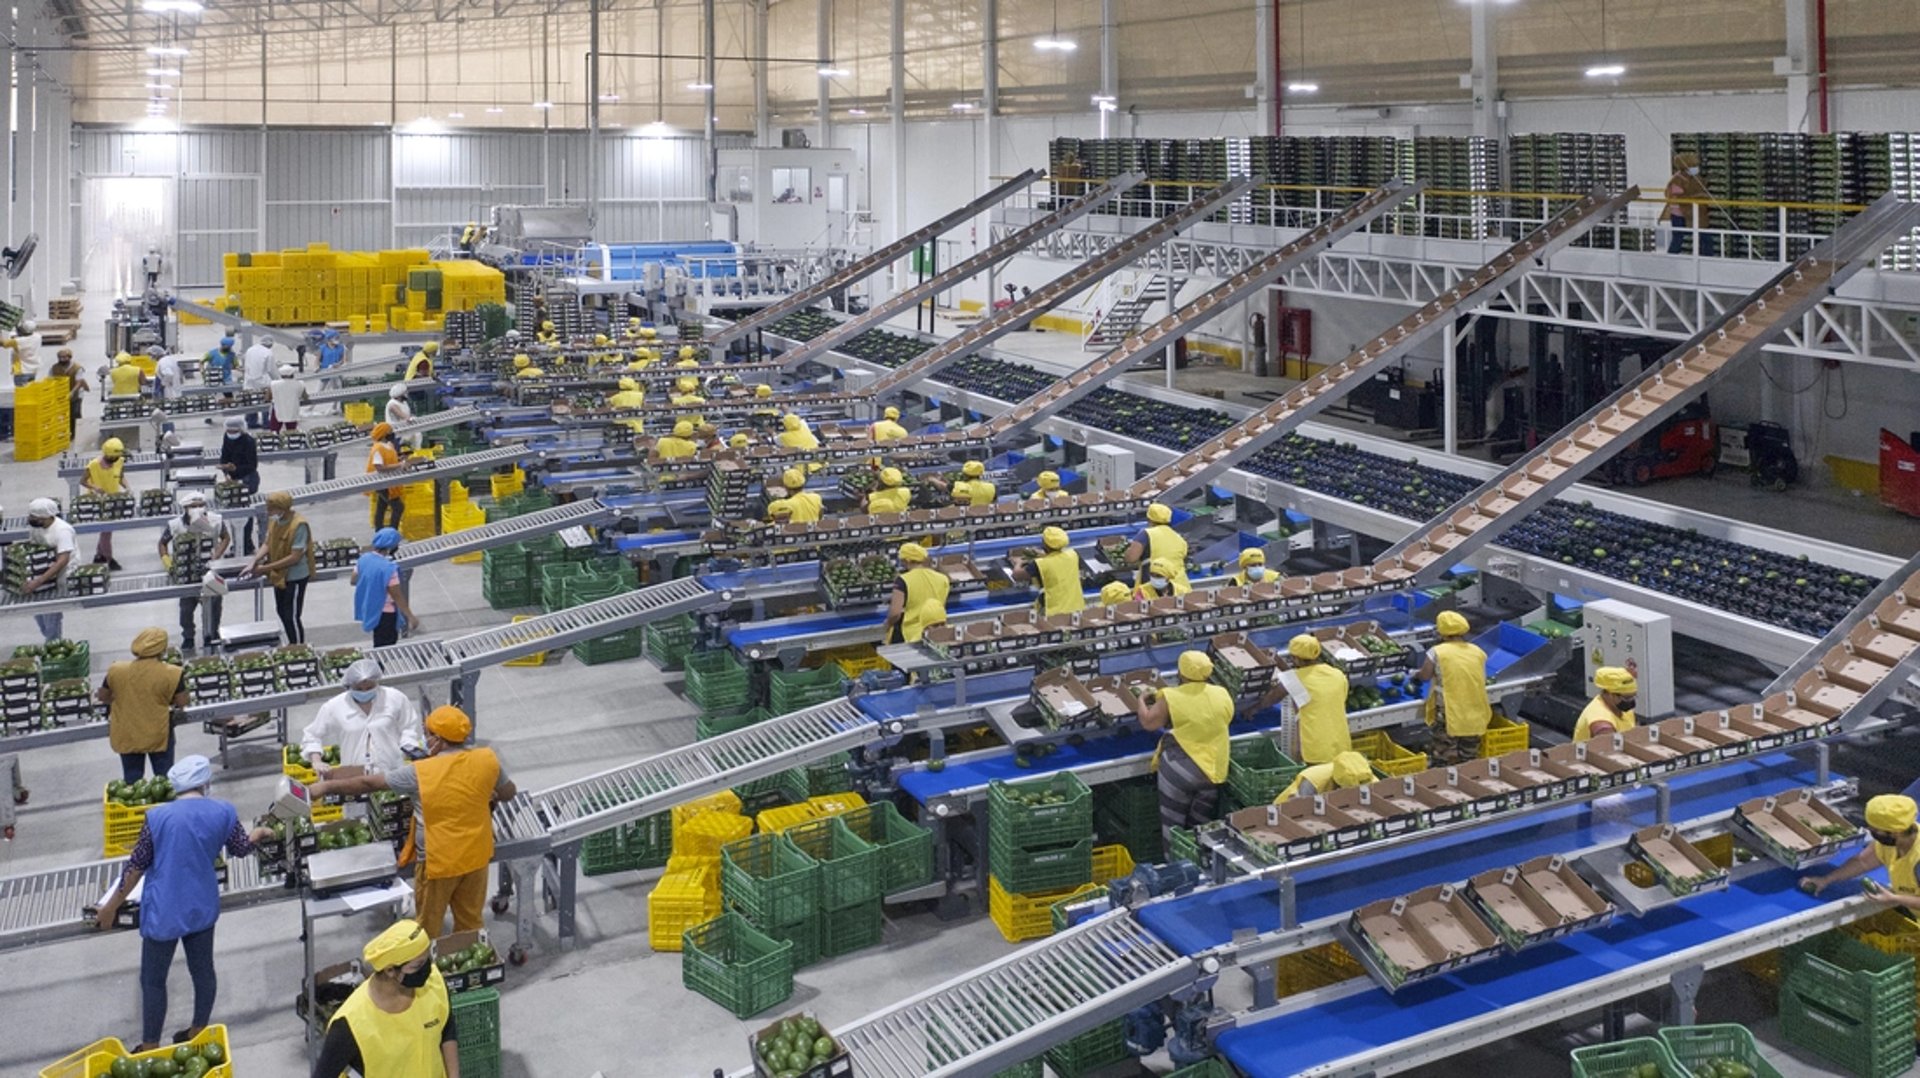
point(360, 670)
point(43, 507)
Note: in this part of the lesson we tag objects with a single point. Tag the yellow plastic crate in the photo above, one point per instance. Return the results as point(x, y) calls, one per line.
point(1387, 757)
point(1111, 863)
point(506, 484)
point(96, 1060)
point(538, 658)
point(835, 804)
point(1317, 967)
point(775, 820)
point(724, 801)
point(358, 413)
point(680, 901)
point(688, 862)
point(120, 826)
point(708, 832)
point(1026, 917)
point(853, 668)
point(1504, 735)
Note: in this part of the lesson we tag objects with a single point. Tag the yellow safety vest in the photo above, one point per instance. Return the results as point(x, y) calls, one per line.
point(627, 398)
point(1319, 776)
point(799, 439)
point(674, 448)
point(886, 430)
point(1460, 675)
point(530, 372)
point(1900, 868)
point(414, 365)
point(1200, 712)
point(890, 500)
point(124, 380)
point(1048, 495)
point(1180, 587)
point(926, 603)
point(1060, 591)
point(1164, 542)
point(801, 508)
point(974, 492)
point(456, 801)
point(1324, 733)
point(686, 400)
point(1596, 711)
point(104, 479)
point(404, 1045)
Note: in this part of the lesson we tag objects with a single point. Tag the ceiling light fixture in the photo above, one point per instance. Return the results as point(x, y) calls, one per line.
point(1105, 102)
point(495, 110)
point(165, 50)
point(1054, 44)
point(1606, 71)
point(699, 85)
point(456, 115)
point(1303, 87)
point(963, 106)
point(828, 71)
point(163, 72)
point(171, 7)
point(856, 112)
point(608, 99)
point(543, 104)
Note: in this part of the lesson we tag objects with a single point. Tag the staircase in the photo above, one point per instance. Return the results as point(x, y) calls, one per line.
point(1125, 308)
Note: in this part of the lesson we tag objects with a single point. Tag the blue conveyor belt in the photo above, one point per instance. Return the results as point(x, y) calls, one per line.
point(1289, 1044)
point(627, 544)
point(1208, 919)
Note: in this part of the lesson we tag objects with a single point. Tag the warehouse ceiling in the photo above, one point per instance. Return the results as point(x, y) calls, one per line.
point(379, 61)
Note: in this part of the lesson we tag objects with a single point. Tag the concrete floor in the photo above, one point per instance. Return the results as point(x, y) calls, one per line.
point(607, 1004)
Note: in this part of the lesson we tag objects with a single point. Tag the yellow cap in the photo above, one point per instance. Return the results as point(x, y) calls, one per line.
point(521, 360)
point(1163, 567)
point(1252, 556)
point(913, 553)
point(1305, 647)
point(1115, 593)
point(1047, 480)
point(973, 469)
point(1054, 538)
point(687, 351)
point(686, 385)
point(738, 441)
point(149, 642)
point(600, 338)
point(633, 321)
point(1892, 813)
point(1351, 769)
point(113, 446)
point(763, 391)
point(1195, 665)
point(449, 723)
point(1616, 679)
point(401, 943)
point(649, 332)
point(891, 477)
point(793, 479)
point(1451, 623)
point(791, 422)
point(891, 412)
point(628, 385)
point(1159, 514)
point(431, 347)
point(683, 428)
point(123, 358)
point(548, 326)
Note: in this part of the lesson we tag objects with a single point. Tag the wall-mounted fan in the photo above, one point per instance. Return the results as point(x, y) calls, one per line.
point(14, 259)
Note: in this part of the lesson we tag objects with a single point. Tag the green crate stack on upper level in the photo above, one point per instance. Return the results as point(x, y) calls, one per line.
point(1456, 165)
point(1903, 175)
point(1066, 156)
point(1569, 163)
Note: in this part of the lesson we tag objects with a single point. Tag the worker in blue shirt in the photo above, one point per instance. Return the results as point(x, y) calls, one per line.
point(332, 354)
point(220, 362)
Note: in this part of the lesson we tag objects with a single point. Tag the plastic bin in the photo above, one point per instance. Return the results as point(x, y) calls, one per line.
point(680, 901)
point(476, 1022)
point(1503, 736)
point(1017, 824)
point(849, 865)
point(1048, 868)
point(905, 848)
point(96, 1059)
point(730, 962)
point(1091, 1050)
point(1387, 757)
point(1623, 1059)
point(850, 929)
point(1021, 917)
point(1256, 772)
point(770, 880)
point(1693, 1045)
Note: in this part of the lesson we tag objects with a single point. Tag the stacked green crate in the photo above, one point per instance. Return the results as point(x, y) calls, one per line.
point(850, 884)
point(777, 888)
point(667, 642)
point(716, 681)
point(530, 500)
point(790, 690)
point(1850, 1004)
point(1098, 1047)
point(506, 580)
point(1257, 772)
point(476, 1024)
point(1128, 813)
point(714, 724)
point(905, 848)
point(642, 844)
point(1040, 833)
point(735, 965)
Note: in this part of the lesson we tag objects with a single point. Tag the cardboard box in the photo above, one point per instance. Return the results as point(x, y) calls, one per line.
point(1643, 743)
point(1063, 701)
point(1616, 766)
point(1795, 828)
point(1680, 866)
point(1276, 837)
point(1547, 780)
point(1449, 785)
point(1512, 787)
point(1357, 802)
point(480, 977)
point(1540, 900)
point(1781, 710)
point(1427, 933)
point(838, 1065)
point(1415, 808)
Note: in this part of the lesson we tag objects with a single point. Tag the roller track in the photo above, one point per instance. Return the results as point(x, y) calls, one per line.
point(41, 907)
point(630, 610)
point(496, 533)
point(443, 468)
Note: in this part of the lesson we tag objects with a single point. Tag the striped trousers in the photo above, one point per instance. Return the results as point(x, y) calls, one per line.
point(1187, 795)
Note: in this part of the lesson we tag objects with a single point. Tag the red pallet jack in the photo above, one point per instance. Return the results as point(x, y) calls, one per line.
point(1687, 444)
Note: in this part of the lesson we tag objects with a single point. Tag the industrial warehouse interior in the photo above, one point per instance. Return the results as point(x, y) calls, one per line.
point(907, 538)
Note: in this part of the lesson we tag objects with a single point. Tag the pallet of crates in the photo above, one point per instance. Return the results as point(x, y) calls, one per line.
point(1039, 846)
point(506, 580)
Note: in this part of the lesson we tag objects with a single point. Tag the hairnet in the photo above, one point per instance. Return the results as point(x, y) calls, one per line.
point(1054, 538)
point(401, 943)
point(149, 642)
point(1047, 480)
point(360, 670)
point(235, 422)
point(793, 479)
point(628, 385)
point(449, 724)
point(396, 392)
point(190, 773)
point(43, 507)
point(1451, 623)
point(738, 441)
point(791, 422)
point(912, 553)
point(683, 428)
point(386, 539)
point(1892, 813)
point(1159, 514)
point(383, 430)
point(763, 390)
point(1195, 665)
point(891, 412)
point(285, 371)
point(1163, 567)
point(892, 477)
point(686, 385)
point(1304, 647)
point(1351, 769)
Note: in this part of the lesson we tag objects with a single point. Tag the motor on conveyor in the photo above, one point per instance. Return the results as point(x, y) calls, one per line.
point(1190, 1018)
point(1152, 881)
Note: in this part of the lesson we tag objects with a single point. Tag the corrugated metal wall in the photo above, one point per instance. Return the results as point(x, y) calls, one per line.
point(364, 189)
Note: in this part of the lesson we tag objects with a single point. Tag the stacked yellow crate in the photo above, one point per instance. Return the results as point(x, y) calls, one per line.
point(40, 427)
point(368, 290)
point(459, 514)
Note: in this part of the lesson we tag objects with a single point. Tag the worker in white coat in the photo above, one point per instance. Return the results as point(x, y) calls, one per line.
point(256, 374)
point(288, 394)
point(375, 726)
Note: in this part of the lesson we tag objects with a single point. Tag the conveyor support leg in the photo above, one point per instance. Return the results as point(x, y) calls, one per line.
point(1686, 990)
point(463, 694)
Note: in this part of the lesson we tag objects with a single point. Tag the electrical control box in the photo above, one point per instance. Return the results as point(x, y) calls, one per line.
point(1109, 468)
point(1616, 634)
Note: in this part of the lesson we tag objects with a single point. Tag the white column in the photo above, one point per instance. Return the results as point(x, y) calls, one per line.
point(823, 48)
point(762, 115)
point(1799, 66)
point(1265, 16)
point(708, 75)
point(6, 120)
point(989, 132)
point(1109, 60)
point(1450, 383)
point(1483, 78)
point(897, 121)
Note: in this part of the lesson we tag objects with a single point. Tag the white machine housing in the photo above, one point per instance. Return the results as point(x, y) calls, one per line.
point(1617, 634)
point(1109, 468)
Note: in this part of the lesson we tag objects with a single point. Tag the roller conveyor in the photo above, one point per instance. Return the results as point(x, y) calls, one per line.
point(340, 394)
point(443, 468)
point(908, 298)
point(588, 621)
point(633, 791)
point(865, 267)
point(1875, 627)
point(74, 465)
point(1021, 312)
point(40, 907)
point(501, 532)
point(405, 663)
point(1256, 432)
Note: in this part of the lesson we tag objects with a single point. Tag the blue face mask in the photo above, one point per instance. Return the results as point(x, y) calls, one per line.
point(364, 696)
point(1256, 572)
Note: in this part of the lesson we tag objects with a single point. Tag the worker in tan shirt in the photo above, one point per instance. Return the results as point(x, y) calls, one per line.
point(140, 696)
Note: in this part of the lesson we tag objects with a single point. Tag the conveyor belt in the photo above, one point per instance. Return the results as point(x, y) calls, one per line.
point(124, 588)
point(369, 390)
point(1007, 1012)
point(908, 298)
point(247, 327)
point(1045, 298)
point(634, 791)
point(590, 621)
point(1656, 395)
point(1250, 435)
point(1876, 625)
point(501, 532)
point(74, 465)
point(865, 267)
point(39, 907)
point(443, 468)
point(14, 529)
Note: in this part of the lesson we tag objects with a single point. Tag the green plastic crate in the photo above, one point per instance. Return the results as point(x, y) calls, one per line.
point(803, 935)
point(1694, 1045)
point(716, 681)
point(1032, 1068)
point(827, 776)
point(849, 865)
point(905, 848)
point(642, 844)
point(712, 724)
point(1181, 845)
point(553, 576)
point(1091, 1050)
point(790, 691)
point(1622, 1059)
point(1257, 771)
point(848, 930)
point(668, 641)
point(768, 879)
point(1850, 1004)
point(732, 963)
point(476, 1024)
point(1849, 975)
point(591, 588)
point(507, 596)
point(1048, 868)
point(1016, 824)
point(1206, 1068)
point(612, 647)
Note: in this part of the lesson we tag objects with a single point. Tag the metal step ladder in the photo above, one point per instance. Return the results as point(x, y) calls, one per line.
point(1256, 432)
point(1233, 290)
point(589, 621)
point(586, 806)
point(865, 267)
point(497, 533)
point(1123, 319)
point(1010, 1011)
point(1659, 393)
point(1072, 283)
point(908, 298)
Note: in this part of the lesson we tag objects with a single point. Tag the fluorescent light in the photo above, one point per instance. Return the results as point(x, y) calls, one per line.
point(164, 7)
point(1303, 87)
point(963, 106)
point(699, 85)
point(456, 115)
point(543, 104)
point(608, 99)
point(829, 72)
point(165, 50)
point(495, 110)
point(1054, 44)
point(1105, 102)
point(856, 112)
point(159, 86)
point(163, 72)
point(1607, 71)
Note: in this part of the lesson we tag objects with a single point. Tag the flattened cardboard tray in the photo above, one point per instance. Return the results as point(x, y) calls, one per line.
point(1064, 700)
point(1540, 900)
point(1418, 808)
point(1550, 781)
point(1272, 838)
point(1643, 743)
point(1783, 827)
point(1382, 818)
point(1605, 871)
point(1678, 864)
point(1418, 936)
point(1703, 735)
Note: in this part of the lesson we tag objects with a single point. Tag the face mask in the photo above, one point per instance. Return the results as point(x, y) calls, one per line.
point(1256, 572)
point(196, 514)
point(1883, 838)
point(1160, 583)
point(1627, 702)
point(418, 978)
point(111, 461)
point(365, 696)
point(1694, 171)
point(233, 434)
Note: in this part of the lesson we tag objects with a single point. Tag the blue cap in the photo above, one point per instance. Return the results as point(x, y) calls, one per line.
point(386, 539)
point(226, 342)
point(190, 773)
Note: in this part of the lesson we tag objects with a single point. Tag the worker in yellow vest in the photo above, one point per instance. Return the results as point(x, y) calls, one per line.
point(629, 396)
point(124, 379)
point(1611, 709)
point(1343, 772)
point(546, 335)
point(892, 495)
point(1324, 733)
point(1047, 488)
point(1253, 567)
point(399, 1022)
point(686, 393)
point(1058, 573)
point(919, 599)
point(972, 488)
point(1163, 578)
point(1457, 707)
point(679, 445)
point(1158, 541)
point(106, 475)
point(800, 505)
point(888, 428)
point(421, 365)
point(795, 434)
point(1895, 844)
point(523, 367)
point(1114, 594)
point(1191, 761)
point(689, 356)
